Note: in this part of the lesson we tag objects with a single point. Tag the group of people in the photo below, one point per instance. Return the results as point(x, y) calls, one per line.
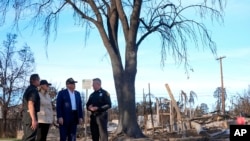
point(38, 112)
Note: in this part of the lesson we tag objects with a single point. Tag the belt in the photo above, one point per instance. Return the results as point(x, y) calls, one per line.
point(97, 113)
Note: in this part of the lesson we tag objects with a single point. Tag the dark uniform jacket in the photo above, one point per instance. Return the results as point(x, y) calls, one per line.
point(100, 99)
point(64, 107)
point(30, 94)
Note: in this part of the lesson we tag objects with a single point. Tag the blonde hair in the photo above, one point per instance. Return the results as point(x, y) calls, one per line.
point(39, 88)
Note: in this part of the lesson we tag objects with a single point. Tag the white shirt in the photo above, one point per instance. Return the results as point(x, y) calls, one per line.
point(72, 99)
point(46, 113)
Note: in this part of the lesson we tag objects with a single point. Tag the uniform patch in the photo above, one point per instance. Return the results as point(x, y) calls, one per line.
point(100, 94)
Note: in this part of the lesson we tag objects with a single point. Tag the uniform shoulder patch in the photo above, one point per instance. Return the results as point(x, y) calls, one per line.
point(107, 94)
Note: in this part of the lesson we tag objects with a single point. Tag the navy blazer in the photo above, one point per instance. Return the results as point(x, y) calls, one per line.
point(64, 108)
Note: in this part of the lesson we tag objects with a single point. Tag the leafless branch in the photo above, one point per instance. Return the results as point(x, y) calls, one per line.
point(123, 18)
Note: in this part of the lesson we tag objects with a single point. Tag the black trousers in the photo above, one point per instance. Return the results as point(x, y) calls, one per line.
point(98, 126)
point(42, 131)
point(29, 134)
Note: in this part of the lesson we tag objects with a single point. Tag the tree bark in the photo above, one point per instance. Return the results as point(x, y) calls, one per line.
point(127, 111)
point(124, 78)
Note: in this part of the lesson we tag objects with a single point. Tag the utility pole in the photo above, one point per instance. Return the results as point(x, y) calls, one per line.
point(222, 86)
point(151, 111)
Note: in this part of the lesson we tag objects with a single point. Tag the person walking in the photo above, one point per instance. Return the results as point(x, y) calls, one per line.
point(31, 105)
point(98, 103)
point(69, 111)
point(45, 116)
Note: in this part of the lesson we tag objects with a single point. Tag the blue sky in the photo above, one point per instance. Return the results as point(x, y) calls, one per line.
point(70, 56)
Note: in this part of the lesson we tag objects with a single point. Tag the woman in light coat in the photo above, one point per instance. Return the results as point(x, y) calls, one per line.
point(45, 116)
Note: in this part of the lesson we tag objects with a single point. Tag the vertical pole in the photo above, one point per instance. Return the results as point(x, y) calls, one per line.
point(190, 110)
point(86, 116)
point(145, 112)
point(171, 117)
point(158, 113)
point(222, 86)
point(150, 105)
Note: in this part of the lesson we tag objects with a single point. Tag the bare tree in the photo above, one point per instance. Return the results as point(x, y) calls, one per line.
point(183, 101)
point(138, 19)
point(192, 96)
point(15, 66)
point(217, 94)
point(241, 103)
point(204, 108)
point(201, 110)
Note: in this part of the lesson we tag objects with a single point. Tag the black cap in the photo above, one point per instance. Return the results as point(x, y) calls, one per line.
point(43, 82)
point(71, 81)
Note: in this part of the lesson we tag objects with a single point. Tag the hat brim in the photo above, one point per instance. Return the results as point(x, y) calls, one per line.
point(49, 84)
point(72, 82)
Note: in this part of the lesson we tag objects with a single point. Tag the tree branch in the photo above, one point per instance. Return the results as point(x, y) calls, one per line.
point(149, 31)
point(83, 15)
point(112, 25)
point(48, 19)
point(96, 11)
point(123, 18)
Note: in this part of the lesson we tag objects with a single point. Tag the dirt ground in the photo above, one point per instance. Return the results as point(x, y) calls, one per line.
point(189, 135)
point(164, 136)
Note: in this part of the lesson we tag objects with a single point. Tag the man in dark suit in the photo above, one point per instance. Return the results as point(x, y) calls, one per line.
point(69, 111)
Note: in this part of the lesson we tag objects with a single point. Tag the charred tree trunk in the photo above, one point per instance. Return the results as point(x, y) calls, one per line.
point(124, 78)
point(127, 111)
point(124, 75)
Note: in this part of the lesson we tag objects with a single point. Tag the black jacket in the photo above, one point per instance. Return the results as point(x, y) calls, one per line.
point(100, 99)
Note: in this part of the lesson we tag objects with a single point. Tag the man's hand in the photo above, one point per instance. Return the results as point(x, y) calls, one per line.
point(92, 108)
point(34, 125)
point(60, 120)
point(80, 121)
point(32, 113)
